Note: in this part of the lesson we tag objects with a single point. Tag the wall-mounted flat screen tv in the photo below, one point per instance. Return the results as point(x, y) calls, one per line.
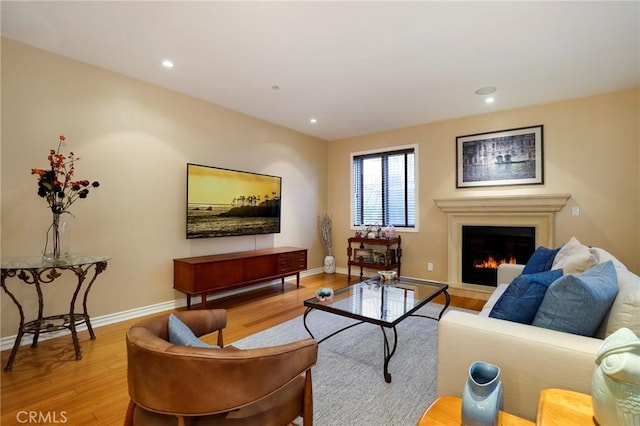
point(223, 202)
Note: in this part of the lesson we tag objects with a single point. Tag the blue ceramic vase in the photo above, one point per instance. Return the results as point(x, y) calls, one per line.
point(482, 395)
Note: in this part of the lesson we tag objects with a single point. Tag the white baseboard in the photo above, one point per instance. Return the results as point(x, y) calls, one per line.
point(96, 322)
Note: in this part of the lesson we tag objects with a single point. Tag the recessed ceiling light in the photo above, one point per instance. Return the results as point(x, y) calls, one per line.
point(167, 63)
point(485, 90)
point(313, 120)
point(489, 100)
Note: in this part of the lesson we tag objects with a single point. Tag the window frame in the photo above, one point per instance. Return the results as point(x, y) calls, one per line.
point(416, 174)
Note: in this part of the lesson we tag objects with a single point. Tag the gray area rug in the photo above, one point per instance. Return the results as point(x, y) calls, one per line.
point(348, 383)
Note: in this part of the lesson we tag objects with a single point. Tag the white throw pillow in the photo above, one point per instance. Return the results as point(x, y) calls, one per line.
point(575, 258)
point(604, 255)
point(625, 311)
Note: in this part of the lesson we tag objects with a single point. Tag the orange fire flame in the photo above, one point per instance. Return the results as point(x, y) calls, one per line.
point(491, 263)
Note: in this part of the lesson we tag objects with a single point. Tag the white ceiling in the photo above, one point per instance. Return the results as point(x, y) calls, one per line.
point(358, 67)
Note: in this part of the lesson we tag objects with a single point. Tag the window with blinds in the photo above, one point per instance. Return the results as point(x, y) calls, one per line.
point(384, 188)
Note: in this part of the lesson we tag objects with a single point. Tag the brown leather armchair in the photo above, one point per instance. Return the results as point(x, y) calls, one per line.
point(184, 385)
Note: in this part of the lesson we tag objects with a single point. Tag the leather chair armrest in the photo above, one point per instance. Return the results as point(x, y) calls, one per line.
point(161, 378)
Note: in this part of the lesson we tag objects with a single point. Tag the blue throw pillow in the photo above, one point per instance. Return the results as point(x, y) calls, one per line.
point(541, 260)
point(578, 303)
point(181, 334)
point(521, 300)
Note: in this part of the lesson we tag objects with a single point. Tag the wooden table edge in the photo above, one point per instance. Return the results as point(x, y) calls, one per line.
point(447, 410)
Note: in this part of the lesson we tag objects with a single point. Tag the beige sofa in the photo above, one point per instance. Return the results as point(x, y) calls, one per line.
point(530, 358)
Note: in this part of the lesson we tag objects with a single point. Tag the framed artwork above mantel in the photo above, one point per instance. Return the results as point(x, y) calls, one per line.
point(505, 157)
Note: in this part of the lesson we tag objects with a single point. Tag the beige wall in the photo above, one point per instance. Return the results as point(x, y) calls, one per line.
point(135, 139)
point(591, 150)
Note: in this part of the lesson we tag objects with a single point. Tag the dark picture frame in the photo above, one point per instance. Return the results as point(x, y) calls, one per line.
point(505, 157)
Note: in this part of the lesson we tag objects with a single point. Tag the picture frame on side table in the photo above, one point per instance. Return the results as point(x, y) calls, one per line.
point(363, 255)
point(505, 157)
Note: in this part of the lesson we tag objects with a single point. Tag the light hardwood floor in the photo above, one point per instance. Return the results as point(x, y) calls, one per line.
point(48, 383)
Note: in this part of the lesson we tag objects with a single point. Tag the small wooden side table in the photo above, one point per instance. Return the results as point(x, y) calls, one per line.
point(447, 411)
point(560, 407)
point(388, 262)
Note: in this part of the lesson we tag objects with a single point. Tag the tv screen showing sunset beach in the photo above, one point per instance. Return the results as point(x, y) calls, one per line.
point(223, 202)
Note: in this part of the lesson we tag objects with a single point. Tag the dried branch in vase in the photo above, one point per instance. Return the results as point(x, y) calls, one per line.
point(324, 224)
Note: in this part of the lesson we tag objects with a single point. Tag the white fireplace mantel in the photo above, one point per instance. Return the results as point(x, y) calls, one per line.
point(535, 210)
point(501, 204)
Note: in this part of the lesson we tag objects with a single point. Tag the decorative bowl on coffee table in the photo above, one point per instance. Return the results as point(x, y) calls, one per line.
point(387, 276)
point(324, 294)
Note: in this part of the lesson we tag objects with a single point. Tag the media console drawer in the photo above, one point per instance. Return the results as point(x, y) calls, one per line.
point(221, 272)
point(292, 262)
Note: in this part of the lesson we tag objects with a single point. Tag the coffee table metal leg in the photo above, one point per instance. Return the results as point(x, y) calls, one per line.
point(446, 305)
point(304, 321)
point(388, 352)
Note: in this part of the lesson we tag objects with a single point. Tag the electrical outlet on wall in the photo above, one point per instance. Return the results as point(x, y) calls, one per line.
point(430, 267)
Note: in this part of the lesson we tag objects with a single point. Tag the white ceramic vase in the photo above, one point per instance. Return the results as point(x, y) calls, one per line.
point(615, 385)
point(329, 264)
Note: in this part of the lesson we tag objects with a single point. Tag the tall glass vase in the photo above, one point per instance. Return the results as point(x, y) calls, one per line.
point(56, 245)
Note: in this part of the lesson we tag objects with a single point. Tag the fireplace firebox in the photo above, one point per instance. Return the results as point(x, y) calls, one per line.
point(484, 248)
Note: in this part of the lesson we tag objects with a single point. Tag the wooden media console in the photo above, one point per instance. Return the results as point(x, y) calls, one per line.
point(221, 272)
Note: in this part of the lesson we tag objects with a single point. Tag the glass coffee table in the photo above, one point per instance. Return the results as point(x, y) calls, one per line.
point(385, 303)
